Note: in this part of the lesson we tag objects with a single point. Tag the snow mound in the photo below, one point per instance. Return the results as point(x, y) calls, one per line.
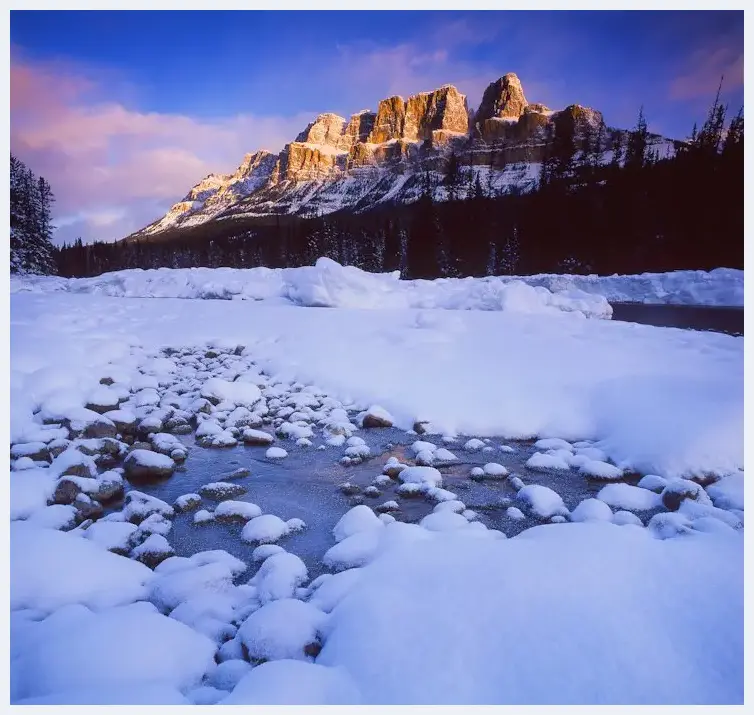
point(625, 496)
point(592, 510)
point(131, 645)
point(542, 501)
point(610, 593)
point(50, 569)
point(279, 576)
point(270, 684)
point(281, 629)
point(358, 519)
point(265, 529)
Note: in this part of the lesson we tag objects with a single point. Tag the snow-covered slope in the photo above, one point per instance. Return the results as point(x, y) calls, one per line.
point(328, 284)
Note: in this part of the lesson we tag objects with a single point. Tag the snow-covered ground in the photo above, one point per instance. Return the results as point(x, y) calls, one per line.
point(611, 608)
point(327, 284)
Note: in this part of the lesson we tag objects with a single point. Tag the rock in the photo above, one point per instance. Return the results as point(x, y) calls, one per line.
point(138, 506)
point(420, 427)
point(376, 417)
point(677, 490)
point(153, 551)
point(66, 491)
point(141, 464)
point(503, 99)
point(230, 510)
point(187, 502)
point(221, 490)
point(387, 507)
point(653, 482)
point(349, 489)
point(372, 491)
point(101, 427)
point(238, 473)
point(109, 487)
point(88, 508)
point(124, 421)
point(36, 451)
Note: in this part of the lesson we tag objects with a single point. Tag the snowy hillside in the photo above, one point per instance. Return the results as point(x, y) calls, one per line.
point(327, 284)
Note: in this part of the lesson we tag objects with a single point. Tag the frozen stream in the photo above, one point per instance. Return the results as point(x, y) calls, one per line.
point(305, 485)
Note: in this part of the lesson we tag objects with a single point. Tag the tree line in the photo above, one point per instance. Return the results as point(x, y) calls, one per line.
point(604, 202)
point(31, 199)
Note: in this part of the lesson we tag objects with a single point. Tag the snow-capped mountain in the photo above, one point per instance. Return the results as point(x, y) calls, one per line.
point(391, 155)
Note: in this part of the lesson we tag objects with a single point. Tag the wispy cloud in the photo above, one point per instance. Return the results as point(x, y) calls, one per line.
point(96, 152)
point(701, 74)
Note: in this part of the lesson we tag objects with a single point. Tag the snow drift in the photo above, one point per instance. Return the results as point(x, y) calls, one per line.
point(328, 284)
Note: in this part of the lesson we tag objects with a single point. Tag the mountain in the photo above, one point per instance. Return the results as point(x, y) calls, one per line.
point(394, 155)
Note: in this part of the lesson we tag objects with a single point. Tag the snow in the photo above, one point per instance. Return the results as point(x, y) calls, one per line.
point(355, 550)
point(728, 493)
point(264, 529)
point(148, 459)
point(444, 521)
point(625, 496)
point(50, 569)
point(328, 284)
point(543, 501)
point(595, 615)
point(592, 510)
point(626, 517)
point(29, 491)
point(358, 520)
point(270, 684)
point(241, 509)
point(178, 579)
point(660, 401)
point(493, 469)
point(595, 612)
point(281, 629)
point(239, 393)
point(543, 462)
point(110, 534)
point(275, 453)
point(228, 673)
point(426, 477)
point(279, 576)
point(515, 513)
point(600, 470)
point(55, 516)
point(130, 645)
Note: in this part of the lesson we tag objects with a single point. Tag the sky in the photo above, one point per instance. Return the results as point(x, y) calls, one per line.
point(123, 111)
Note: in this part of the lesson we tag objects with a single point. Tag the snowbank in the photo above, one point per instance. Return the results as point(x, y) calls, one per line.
point(325, 285)
point(563, 614)
point(50, 569)
point(328, 284)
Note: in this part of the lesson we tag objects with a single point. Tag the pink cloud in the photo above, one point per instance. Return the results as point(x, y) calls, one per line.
point(101, 153)
point(705, 67)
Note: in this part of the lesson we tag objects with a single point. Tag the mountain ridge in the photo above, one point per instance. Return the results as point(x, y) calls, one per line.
point(394, 154)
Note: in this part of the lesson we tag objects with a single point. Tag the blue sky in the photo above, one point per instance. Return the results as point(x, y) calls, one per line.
point(123, 94)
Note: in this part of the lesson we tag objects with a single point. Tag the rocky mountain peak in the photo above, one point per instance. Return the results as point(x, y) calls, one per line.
point(503, 99)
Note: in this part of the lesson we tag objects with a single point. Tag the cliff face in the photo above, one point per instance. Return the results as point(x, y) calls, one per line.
point(387, 155)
